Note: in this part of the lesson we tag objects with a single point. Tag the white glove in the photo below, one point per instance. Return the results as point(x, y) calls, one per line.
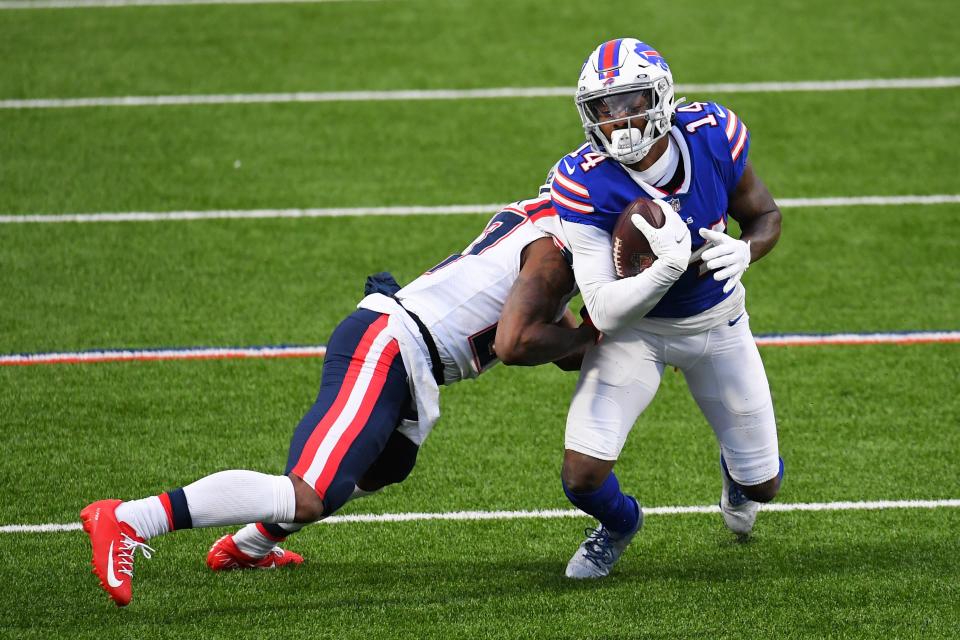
point(671, 242)
point(729, 256)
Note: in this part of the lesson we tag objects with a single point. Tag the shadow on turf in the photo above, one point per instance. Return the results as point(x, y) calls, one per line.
point(334, 585)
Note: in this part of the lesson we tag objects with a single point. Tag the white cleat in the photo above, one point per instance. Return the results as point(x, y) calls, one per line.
point(600, 551)
point(739, 512)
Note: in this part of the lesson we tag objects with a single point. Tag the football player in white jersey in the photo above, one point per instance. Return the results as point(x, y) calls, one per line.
point(686, 310)
point(378, 397)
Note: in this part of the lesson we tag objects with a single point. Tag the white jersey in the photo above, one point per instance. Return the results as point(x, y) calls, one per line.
point(460, 299)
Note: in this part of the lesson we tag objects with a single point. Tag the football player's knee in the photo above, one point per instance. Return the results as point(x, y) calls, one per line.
point(583, 474)
point(393, 465)
point(763, 492)
point(309, 505)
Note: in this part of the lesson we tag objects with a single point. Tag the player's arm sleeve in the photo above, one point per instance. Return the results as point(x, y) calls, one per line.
point(612, 303)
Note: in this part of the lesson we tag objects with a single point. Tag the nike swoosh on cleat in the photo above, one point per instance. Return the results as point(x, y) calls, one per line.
point(735, 320)
point(111, 577)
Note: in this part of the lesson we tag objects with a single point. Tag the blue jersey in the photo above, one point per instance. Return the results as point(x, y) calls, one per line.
point(591, 189)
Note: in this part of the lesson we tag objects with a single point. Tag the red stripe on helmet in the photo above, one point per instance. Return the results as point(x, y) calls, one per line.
point(609, 55)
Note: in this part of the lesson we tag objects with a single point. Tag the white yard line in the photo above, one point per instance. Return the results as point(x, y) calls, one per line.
point(465, 94)
point(872, 505)
point(449, 209)
point(658, 511)
point(97, 4)
point(159, 355)
point(318, 351)
point(869, 201)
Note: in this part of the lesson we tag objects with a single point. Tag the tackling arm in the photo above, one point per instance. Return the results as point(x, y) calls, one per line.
point(527, 333)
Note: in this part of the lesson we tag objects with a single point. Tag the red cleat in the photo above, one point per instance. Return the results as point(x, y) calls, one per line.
point(225, 556)
point(114, 545)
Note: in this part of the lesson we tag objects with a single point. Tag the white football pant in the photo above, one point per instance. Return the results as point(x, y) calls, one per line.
point(723, 371)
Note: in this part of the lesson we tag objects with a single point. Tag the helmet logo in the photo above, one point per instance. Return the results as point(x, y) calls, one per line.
point(609, 81)
point(651, 55)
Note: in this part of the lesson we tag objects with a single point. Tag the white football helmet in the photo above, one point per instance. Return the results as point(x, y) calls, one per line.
point(626, 81)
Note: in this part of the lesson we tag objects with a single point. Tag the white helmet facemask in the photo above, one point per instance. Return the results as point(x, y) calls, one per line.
point(637, 125)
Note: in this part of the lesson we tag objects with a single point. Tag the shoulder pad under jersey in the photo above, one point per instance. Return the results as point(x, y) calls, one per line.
point(721, 132)
point(580, 185)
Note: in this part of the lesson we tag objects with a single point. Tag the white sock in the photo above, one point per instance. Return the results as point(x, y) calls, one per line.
point(238, 497)
point(255, 544)
point(147, 516)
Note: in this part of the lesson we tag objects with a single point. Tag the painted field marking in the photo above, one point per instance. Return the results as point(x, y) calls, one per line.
point(96, 4)
point(450, 209)
point(318, 351)
point(473, 516)
point(904, 337)
point(154, 355)
point(247, 214)
point(464, 94)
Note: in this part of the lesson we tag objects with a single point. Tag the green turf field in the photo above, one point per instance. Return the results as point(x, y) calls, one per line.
point(856, 423)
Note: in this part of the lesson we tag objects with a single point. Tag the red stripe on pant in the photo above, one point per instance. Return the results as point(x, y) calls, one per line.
point(381, 370)
point(349, 382)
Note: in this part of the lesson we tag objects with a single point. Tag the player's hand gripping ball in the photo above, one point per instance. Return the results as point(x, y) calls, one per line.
point(632, 253)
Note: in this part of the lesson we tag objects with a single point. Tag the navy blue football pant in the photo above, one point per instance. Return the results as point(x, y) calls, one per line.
point(350, 432)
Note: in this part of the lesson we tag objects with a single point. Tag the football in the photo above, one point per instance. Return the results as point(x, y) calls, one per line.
point(631, 251)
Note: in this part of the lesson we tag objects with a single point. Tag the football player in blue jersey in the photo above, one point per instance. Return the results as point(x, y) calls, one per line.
point(686, 310)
